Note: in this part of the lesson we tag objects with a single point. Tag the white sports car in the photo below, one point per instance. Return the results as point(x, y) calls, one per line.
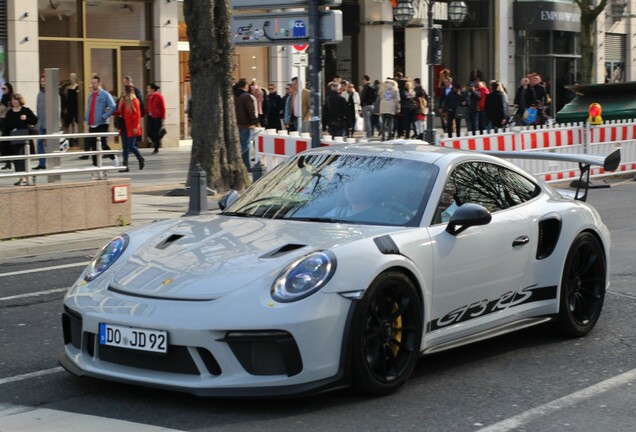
point(340, 268)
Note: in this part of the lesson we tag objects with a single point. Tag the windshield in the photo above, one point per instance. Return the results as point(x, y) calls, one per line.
point(374, 190)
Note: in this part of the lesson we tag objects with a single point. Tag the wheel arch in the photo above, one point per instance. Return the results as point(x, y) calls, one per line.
point(414, 280)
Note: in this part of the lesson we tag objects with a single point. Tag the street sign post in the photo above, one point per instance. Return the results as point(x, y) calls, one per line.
point(283, 28)
point(311, 28)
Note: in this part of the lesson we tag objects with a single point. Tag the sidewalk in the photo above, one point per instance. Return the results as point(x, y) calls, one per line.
point(146, 208)
point(164, 172)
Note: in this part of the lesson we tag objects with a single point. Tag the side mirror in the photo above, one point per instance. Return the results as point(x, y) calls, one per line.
point(227, 199)
point(468, 215)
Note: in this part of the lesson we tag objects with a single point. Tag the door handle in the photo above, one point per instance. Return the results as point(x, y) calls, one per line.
point(520, 241)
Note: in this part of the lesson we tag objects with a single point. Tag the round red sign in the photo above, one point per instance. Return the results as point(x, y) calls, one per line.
point(301, 47)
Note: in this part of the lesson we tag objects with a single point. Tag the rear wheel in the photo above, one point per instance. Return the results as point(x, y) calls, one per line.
point(386, 335)
point(582, 286)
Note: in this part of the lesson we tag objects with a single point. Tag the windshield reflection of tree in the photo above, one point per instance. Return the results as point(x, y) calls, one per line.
point(307, 183)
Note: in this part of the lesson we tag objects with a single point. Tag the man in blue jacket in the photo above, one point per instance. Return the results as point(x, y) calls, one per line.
point(99, 108)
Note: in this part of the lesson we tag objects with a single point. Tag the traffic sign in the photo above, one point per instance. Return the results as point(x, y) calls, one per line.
point(284, 28)
point(300, 47)
point(300, 60)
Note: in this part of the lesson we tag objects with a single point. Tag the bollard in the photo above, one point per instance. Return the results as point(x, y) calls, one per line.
point(258, 170)
point(198, 192)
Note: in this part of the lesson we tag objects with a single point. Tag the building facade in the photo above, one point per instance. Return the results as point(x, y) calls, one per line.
point(146, 39)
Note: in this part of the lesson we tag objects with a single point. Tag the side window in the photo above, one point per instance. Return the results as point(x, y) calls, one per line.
point(518, 189)
point(471, 182)
point(479, 183)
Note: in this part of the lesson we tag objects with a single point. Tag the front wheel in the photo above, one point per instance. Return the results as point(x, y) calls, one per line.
point(386, 335)
point(582, 286)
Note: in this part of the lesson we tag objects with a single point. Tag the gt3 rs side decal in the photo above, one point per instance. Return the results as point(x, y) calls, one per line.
point(484, 307)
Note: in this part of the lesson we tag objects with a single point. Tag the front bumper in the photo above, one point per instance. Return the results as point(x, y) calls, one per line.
point(260, 350)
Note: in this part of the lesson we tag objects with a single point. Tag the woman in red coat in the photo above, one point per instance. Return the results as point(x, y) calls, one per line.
point(130, 113)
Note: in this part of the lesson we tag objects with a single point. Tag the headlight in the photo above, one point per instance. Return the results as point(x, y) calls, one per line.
point(304, 277)
point(106, 257)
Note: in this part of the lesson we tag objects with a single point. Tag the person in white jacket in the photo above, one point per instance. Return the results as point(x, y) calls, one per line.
point(352, 97)
point(389, 108)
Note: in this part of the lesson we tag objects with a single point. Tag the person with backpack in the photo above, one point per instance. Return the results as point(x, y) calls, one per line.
point(421, 112)
point(409, 109)
point(389, 108)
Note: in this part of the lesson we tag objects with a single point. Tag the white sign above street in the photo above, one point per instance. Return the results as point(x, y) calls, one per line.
point(284, 28)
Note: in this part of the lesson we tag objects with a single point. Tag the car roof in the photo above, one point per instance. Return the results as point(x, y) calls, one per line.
point(414, 150)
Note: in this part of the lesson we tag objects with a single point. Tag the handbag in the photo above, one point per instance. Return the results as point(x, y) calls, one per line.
point(162, 132)
point(359, 124)
point(461, 112)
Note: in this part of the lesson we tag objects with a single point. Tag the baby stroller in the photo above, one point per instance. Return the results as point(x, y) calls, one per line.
point(511, 120)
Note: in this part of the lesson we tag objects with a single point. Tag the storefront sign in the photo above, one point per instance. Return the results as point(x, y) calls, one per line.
point(545, 15)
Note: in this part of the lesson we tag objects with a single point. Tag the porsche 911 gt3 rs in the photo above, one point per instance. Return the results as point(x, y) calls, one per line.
point(341, 267)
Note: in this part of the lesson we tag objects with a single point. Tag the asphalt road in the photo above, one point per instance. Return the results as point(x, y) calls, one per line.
point(526, 381)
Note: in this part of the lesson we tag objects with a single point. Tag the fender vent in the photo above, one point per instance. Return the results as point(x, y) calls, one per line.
point(549, 231)
point(169, 241)
point(386, 245)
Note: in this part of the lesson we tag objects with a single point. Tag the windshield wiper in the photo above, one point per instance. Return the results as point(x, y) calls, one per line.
point(321, 219)
point(238, 214)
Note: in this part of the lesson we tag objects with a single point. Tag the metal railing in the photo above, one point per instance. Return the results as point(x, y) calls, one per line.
point(54, 173)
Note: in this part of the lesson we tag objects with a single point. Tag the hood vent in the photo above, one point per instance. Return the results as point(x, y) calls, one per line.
point(169, 241)
point(283, 250)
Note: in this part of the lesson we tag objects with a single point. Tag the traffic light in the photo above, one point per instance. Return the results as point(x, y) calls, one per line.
point(595, 111)
point(434, 46)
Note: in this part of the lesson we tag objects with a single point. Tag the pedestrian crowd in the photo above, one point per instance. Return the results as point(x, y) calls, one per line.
point(259, 107)
point(486, 106)
point(16, 119)
point(397, 107)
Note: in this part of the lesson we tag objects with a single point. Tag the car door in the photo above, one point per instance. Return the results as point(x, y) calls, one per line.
point(478, 272)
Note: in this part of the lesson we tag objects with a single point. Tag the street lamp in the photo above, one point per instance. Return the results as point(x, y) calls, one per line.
point(403, 12)
point(457, 12)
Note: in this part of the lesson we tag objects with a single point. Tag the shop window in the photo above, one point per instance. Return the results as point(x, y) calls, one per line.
point(118, 20)
point(59, 18)
point(65, 56)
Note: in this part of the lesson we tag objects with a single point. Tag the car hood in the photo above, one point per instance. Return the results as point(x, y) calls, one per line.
point(204, 258)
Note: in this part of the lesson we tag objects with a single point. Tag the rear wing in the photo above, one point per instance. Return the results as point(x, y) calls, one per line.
point(609, 163)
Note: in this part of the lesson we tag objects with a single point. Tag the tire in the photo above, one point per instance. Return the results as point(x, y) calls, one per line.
point(582, 286)
point(386, 335)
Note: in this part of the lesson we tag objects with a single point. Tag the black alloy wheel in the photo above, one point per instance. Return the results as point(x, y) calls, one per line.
point(387, 334)
point(582, 286)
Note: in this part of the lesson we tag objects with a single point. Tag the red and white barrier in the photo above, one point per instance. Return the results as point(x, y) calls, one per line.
point(272, 148)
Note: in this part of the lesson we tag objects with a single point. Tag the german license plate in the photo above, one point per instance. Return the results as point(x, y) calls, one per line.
point(133, 338)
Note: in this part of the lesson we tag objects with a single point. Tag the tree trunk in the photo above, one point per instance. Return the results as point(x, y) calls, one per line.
point(215, 139)
point(589, 13)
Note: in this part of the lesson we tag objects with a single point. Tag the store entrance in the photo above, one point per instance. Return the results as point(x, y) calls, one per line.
point(112, 62)
point(564, 75)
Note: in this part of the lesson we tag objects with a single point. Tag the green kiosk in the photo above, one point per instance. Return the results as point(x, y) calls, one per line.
point(618, 101)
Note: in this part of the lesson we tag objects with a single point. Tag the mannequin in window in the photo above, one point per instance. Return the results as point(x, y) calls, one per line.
point(71, 97)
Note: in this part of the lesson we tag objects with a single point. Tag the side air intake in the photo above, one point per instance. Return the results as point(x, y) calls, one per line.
point(549, 230)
